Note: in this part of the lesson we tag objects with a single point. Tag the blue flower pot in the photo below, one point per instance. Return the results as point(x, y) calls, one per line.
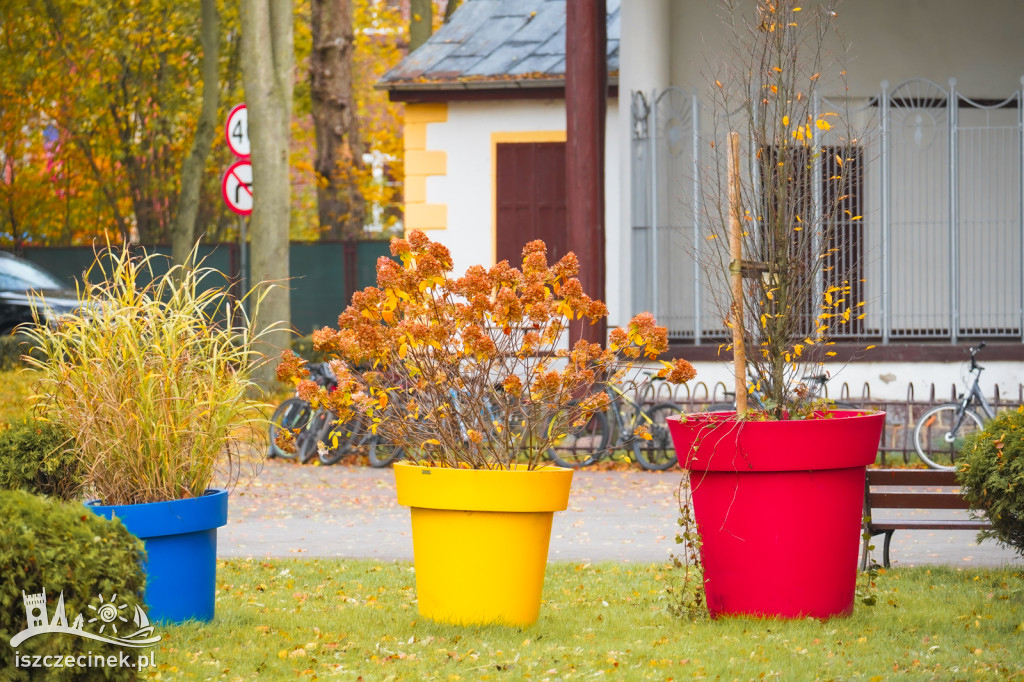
point(181, 543)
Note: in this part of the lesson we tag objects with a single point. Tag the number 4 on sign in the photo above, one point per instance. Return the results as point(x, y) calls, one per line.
point(237, 131)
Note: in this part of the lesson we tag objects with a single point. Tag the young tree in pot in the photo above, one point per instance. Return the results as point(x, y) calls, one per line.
point(468, 376)
point(152, 377)
point(777, 204)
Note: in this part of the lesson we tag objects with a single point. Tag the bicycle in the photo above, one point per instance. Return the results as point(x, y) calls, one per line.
point(654, 454)
point(294, 414)
point(944, 428)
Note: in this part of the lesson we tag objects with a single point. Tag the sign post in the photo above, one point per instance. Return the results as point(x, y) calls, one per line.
point(237, 183)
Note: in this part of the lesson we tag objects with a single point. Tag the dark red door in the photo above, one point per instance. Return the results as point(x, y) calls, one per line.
point(530, 199)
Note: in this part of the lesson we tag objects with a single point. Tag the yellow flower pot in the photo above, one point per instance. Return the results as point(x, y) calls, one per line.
point(480, 539)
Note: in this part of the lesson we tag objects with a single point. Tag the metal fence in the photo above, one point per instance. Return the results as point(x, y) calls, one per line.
point(897, 442)
point(318, 269)
point(942, 198)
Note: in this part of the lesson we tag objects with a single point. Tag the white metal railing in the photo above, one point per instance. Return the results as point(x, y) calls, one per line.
point(942, 198)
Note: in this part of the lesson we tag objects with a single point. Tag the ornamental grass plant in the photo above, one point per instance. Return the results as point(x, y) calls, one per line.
point(152, 377)
point(476, 371)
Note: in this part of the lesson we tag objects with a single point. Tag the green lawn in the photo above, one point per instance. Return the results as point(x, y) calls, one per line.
point(330, 619)
point(15, 389)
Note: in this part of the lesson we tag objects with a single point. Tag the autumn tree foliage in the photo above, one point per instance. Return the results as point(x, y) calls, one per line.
point(365, 163)
point(100, 104)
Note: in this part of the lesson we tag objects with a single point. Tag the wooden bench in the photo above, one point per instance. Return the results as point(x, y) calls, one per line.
point(878, 494)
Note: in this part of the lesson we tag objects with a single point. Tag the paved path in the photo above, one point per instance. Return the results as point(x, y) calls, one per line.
point(292, 510)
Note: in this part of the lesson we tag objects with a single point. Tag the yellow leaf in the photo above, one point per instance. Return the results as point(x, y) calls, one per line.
point(402, 350)
point(830, 353)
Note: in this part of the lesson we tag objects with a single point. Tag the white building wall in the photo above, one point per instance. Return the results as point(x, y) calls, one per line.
point(467, 187)
point(889, 380)
point(977, 43)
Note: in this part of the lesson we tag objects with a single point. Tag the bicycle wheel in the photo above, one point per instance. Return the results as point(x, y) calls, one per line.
point(582, 445)
point(322, 429)
point(351, 435)
point(382, 454)
point(291, 414)
point(939, 434)
point(658, 453)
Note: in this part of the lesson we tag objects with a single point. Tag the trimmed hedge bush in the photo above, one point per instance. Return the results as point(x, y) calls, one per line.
point(65, 548)
point(991, 473)
point(39, 457)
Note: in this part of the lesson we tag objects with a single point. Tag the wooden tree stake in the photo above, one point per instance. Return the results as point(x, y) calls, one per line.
point(736, 269)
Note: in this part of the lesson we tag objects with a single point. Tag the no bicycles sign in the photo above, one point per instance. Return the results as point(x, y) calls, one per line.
point(237, 187)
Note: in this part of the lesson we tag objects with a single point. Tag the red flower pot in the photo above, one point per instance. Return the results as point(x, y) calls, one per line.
point(778, 506)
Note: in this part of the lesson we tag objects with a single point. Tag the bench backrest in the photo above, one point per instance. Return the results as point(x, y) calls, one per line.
point(876, 495)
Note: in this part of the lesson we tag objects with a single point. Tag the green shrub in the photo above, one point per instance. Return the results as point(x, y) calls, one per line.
point(64, 548)
point(12, 348)
point(991, 473)
point(39, 457)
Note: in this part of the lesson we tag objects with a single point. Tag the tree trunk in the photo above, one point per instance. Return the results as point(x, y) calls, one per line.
point(450, 8)
point(184, 225)
point(268, 58)
point(421, 22)
point(339, 150)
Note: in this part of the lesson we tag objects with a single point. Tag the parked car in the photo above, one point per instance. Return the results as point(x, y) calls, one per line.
point(24, 286)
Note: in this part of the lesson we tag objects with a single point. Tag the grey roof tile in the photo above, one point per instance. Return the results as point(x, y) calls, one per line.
point(555, 44)
point(614, 24)
point(425, 58)
point(493, 39)
point(549, 18)
point(451, 67)
point(491, 36)
point(502, 61)
point(537, 64)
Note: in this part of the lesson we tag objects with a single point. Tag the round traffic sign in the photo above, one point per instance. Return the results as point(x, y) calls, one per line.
point(237, 187)
point(237, 131)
